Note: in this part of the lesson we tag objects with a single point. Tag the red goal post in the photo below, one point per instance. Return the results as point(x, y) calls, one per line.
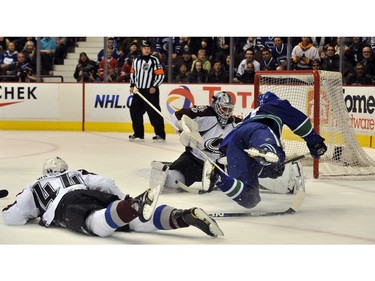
point(319, 95)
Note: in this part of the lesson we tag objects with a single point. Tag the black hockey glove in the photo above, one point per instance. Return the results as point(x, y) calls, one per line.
point(317, 149)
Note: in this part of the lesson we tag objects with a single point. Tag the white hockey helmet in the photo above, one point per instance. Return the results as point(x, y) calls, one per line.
point(223, 105)
point(54, 165)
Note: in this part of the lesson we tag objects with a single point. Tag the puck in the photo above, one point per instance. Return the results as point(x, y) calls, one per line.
point(3, 193)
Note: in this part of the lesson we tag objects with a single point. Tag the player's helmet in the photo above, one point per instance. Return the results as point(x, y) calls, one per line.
point(223, 105)
point(54, 165)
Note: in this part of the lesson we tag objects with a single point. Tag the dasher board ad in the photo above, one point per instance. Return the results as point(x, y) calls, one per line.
point(111, 102)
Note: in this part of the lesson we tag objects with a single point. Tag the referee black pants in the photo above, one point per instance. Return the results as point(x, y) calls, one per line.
point(139, 107)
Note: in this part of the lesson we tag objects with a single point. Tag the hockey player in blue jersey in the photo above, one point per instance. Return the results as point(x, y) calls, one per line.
point(254, 150)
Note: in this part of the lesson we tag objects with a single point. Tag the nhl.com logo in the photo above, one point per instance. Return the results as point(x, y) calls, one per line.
point(179, 98)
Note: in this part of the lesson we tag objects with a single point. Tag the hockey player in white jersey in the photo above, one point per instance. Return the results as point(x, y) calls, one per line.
point(212, 123)
point(92, 204)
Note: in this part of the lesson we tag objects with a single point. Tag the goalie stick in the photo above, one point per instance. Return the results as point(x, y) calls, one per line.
point(3, 193)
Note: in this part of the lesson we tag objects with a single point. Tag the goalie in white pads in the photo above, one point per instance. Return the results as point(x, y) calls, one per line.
point(92, 204)
point(203, 128)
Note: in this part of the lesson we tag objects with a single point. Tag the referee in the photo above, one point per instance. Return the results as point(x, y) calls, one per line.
point(146, 74)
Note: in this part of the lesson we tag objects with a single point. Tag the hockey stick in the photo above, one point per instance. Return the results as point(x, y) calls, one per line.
point(3, 193)
point(298, 199)
point(297, 158)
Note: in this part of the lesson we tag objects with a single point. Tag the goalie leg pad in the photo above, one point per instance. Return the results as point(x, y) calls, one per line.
point(290, 181)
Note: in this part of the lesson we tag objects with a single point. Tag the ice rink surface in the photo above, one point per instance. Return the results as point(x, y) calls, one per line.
point(335, 222)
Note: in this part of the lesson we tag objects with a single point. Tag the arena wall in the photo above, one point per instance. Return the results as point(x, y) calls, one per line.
point(105, 106)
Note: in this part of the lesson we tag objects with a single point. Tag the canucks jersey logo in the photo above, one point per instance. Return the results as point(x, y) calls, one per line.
point(145, 67)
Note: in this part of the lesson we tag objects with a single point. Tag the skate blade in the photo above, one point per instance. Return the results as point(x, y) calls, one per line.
point(268, 156)
point(148, 210)
point(213, 226)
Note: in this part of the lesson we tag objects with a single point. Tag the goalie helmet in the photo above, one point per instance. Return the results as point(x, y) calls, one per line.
point(54, 165)
point(223, 105)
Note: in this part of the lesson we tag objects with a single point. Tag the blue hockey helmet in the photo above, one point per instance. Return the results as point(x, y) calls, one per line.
point(267, 96)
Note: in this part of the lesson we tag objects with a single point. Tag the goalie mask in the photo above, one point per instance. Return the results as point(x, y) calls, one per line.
point(54, 165)
point(223, 105)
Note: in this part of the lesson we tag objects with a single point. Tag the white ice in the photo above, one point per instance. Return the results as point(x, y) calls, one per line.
point(336, 212)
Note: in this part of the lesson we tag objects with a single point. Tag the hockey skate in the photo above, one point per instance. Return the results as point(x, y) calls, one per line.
point(266, 157)
point(158, 139)
point(145, 203)
point(200, 219)
point(134, 138)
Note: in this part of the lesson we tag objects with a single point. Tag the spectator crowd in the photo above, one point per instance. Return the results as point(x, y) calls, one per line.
point(195, 59)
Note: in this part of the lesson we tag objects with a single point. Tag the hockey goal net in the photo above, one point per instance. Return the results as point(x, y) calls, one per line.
point(319, 95)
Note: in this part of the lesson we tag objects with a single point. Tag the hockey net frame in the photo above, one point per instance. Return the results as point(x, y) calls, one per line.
point(319, 95)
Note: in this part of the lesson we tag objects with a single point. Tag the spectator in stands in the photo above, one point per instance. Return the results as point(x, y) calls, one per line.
point(31, 57)
point(9, 56)
point(110, 45)
point(280, 52)
point(226, 65)
point(183, 76)
point(322, 43)
point(249, 73)
point(86, 69)
point(198, 74)
point(191, 44)
point(207, 44)
point(112, 67)
point(249, 55)
point(61, 50)
point(132, 51)
point(304, 53)
point(338, 46)
point(48, 48)
point(355, 50)
point(21, 41)
point(126, 67)
point(162, 44)
point(206, 64)
point(216, 74)
point(331, 62)
point(4, 44)
point(315, 65)
point(21, 70)
point(185, 59)
point(267, 62)
point(360, 78)
point(368, 60)
point(221, 48)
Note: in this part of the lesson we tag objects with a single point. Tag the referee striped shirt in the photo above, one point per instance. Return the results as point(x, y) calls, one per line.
point(146, 72)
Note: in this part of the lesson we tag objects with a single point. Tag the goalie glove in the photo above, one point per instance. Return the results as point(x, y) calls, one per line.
point(190, 135)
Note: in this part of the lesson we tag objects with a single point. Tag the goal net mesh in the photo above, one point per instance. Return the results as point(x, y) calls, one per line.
point(344, 157)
